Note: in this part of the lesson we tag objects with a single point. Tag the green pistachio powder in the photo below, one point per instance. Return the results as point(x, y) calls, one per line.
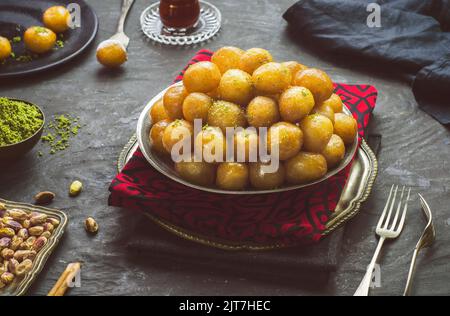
point(18, 121)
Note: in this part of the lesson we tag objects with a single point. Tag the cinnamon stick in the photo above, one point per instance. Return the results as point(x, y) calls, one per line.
point(60, 288)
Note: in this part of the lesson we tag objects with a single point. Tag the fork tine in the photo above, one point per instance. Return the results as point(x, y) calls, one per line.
point(380, 221)
point(388, 218)
point(405, 208)
point(394, 222)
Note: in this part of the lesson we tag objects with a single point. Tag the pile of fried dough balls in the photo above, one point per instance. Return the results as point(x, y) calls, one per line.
point(247, 88)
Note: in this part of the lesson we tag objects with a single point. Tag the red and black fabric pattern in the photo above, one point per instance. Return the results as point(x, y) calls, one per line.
point(292, 217)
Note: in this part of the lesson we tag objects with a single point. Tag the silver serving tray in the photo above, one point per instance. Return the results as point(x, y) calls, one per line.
point(357, 189)
point(164, 166)
point(20, 286)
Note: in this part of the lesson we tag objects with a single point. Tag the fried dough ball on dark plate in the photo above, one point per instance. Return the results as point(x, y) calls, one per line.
point(39, 39)
point(263, 180)
point(334, 152)
point(289, 138)
point(173, 101)
point(5, 48)
point(254, 58)
point(317, 81)
point(262, 112)
point(346, 127)
point(56, 18)
point(203, 77)
point(232, 176)
point(225, 114)
point(317, 131)
point(305, 167)
point(295, 103)
point(227, 57)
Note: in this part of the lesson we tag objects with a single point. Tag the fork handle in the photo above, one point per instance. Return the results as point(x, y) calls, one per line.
point(412, 269)
point(363, 288)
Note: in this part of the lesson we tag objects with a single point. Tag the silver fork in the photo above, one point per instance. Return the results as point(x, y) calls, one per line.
point(386, 229)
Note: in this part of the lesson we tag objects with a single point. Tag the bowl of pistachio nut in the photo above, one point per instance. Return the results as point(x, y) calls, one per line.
point(21, 126)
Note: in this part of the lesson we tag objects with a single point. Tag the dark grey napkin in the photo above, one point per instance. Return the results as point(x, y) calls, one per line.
point(413, 41)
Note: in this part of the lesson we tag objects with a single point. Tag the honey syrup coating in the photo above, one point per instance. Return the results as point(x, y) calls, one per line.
point(158, 112)
point(334, 152)
point(175, 132)
point(294, 67)
point(232, 176)
point(203, 77)
point(200, 173)
point(228, 57)
point(210, 143)
point(317, 81)
point(305, 167)
point(289, 138)
point(196, 106)
point(156, 135)
point(236, 86)
point(335, 102)
point(325, 110)
point(56, 18)
point(173, 101)
point(254, 58)
point(262, 180)
point(225, 114)
point(346, 127)
point(262, 112)
point(317, 131)
point(39, 39)
point(271, 78)
point(5, 48)
point(295, 103)
point(111, 53)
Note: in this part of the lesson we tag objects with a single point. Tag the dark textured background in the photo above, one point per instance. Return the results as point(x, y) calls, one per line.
point(415, 151)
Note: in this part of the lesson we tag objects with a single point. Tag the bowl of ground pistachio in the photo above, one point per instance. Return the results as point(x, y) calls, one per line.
point(21, 126)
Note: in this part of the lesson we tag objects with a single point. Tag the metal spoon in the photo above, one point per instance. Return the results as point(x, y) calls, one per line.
point(426, 240)
point(120, 35)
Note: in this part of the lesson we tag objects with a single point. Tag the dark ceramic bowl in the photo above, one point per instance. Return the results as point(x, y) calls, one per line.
point(17, 150)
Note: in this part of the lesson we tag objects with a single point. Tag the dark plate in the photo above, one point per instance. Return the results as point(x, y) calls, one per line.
point(17, 15)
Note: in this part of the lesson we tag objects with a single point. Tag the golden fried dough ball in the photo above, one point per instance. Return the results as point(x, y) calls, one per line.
point(39, 39)
point(200, 173)
point(173, 101)
point(203, 77)
point(317, 131)
point(335, 102)
point(156, 135)
point(262, 111)
point(289, 138)
point(317, 81)
point(232, 176)
point(254, 58)
point(246, 145)
point(334, 152)
point(111, 53)
point(305, 167)
point(263, 180)
point(196, 106)
point(295, 103)
point(176, 132)
point(346, 127)
point(294, 67)
point(158, 112)
point(56, 19)
point(324, 109)
point(272, 78)
point(227, 57)
point(236, 86)
point(226, 114)
point(210, 144)
point(5, 48)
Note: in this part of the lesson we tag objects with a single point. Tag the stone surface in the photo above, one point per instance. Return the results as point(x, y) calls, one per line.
point(415, 151)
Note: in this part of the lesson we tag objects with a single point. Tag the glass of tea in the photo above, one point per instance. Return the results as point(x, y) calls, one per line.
point(179, 16)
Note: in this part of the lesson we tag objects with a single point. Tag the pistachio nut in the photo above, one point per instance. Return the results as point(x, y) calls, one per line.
point(46, 234)
point(38, 219)
point(75, 188)
point(17, 215)
point(12, 265)
point(5, 242)
point(48, 227)
point(12, 224)
point(7, 253)
point(7, 232)
point(24, 267)
point(36, 230)
point(39, 243)
point(16, 242)
point(7, 277)
point(44, 198)
point(23, 233)
point(26, 223)
point(53, 221)
point(91, 225)
point(21, 255)
point(2, 207)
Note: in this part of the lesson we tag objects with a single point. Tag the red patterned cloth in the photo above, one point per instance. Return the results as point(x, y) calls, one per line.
point(292, 217)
